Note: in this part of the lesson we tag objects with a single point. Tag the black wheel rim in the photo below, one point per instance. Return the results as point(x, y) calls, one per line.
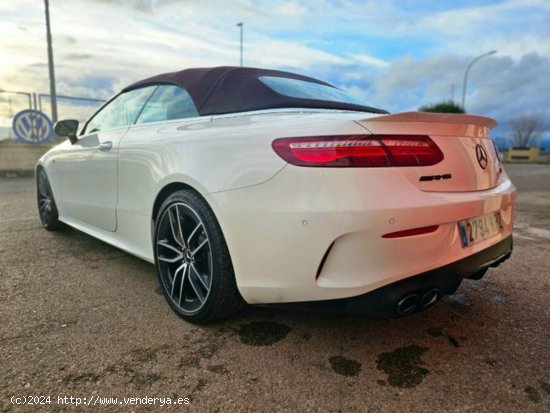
point(184, 258)
point(45, 198)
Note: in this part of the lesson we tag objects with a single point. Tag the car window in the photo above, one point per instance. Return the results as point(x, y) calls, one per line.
point(167, 103)
point(303, 89)
point(121, 111)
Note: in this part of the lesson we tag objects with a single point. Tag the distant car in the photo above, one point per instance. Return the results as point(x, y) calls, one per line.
point(259, 186)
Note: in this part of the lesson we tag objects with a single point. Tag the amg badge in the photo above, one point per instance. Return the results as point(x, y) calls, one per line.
point(435, 177)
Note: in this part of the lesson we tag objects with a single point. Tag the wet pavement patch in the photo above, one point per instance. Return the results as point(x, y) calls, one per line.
point(190, 360)
point(199, 347)
point(545, 386)
point(345, 366)
point(132, 374)
point(218, 369)
point(532, 393)
point(262, 333)
point(438, 332)
point(454, 342)
point(403, 366)
point(491, 362)
point(142, 355)
point(201, 384)
point(146, 354)
point(144, 380)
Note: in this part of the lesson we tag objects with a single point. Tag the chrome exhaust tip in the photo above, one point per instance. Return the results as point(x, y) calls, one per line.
point(430, 297)
point(407, 304)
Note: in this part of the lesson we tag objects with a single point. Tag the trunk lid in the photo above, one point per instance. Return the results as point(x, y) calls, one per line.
point(470, 157)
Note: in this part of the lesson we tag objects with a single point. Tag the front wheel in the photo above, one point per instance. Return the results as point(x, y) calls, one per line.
point(46, 203)
point(192, 260)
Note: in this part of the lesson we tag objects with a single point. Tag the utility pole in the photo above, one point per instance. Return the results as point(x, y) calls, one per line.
point(53, 100)
point(241, 26)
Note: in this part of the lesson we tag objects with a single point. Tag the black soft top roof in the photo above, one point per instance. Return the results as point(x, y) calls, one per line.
point(229, 89)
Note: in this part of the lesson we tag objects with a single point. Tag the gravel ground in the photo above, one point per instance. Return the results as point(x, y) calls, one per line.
point(81, 319)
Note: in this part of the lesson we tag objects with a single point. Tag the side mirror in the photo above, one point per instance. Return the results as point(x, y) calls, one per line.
point(67, 128)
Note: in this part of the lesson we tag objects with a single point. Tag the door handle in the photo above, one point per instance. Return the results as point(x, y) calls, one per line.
point(105, 146)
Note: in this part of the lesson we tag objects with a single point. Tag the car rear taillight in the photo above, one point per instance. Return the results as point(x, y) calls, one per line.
point(357, 151)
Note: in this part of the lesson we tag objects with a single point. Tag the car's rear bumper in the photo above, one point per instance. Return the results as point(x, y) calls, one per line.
point(311, 235)
point(382, 301)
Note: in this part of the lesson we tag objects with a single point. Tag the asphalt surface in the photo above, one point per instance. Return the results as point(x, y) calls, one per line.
point(80, 318)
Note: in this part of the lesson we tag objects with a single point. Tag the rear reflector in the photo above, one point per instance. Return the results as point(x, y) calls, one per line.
point(411, 232)
point(359, 151)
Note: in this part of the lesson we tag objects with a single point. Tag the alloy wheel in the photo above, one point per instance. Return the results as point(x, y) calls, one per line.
point(184, 258)
point(45, 198)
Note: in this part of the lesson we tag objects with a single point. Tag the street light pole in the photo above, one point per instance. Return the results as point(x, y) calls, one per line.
point(464, 84)
point(241, 26)
point(53, 99)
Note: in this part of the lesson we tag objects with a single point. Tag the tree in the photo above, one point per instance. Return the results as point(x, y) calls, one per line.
point(526, 128)
point(442, 107)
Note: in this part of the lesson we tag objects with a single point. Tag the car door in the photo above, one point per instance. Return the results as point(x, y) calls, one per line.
point(87, 170)
point(139, 161)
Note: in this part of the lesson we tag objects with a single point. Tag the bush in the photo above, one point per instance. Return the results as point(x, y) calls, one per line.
point(442, 107)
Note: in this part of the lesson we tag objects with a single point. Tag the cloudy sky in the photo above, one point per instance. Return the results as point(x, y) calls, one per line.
point(397, 54)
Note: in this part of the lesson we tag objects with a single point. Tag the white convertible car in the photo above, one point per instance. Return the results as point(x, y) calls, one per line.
point(264, 187)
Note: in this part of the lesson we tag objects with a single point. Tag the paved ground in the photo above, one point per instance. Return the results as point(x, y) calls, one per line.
point(80, 318)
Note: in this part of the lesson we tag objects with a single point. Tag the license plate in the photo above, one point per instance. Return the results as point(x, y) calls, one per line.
point(478, 229)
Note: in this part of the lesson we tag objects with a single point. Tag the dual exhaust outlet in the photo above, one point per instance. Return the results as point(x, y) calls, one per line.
point(417, 301)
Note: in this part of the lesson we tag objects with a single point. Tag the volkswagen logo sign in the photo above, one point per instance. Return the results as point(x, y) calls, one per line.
point(481, 156)
point(32, 126)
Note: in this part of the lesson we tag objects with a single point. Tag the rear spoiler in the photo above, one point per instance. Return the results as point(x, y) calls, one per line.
point(427, 117)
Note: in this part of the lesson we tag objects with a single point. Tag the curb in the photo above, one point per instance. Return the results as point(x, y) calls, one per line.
point(17, 174)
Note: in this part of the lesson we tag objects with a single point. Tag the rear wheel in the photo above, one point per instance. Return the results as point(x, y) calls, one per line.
point(192, 260)
point(46, 203)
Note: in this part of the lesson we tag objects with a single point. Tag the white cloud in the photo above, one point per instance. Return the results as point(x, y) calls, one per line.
point(264, 52)
point(291, 8)
point(370, 60)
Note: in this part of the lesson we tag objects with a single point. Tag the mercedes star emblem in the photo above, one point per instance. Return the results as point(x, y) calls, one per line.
point(481, 156)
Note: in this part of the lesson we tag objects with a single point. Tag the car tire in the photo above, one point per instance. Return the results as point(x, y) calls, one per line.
point(192, 260)
point(47, 209)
